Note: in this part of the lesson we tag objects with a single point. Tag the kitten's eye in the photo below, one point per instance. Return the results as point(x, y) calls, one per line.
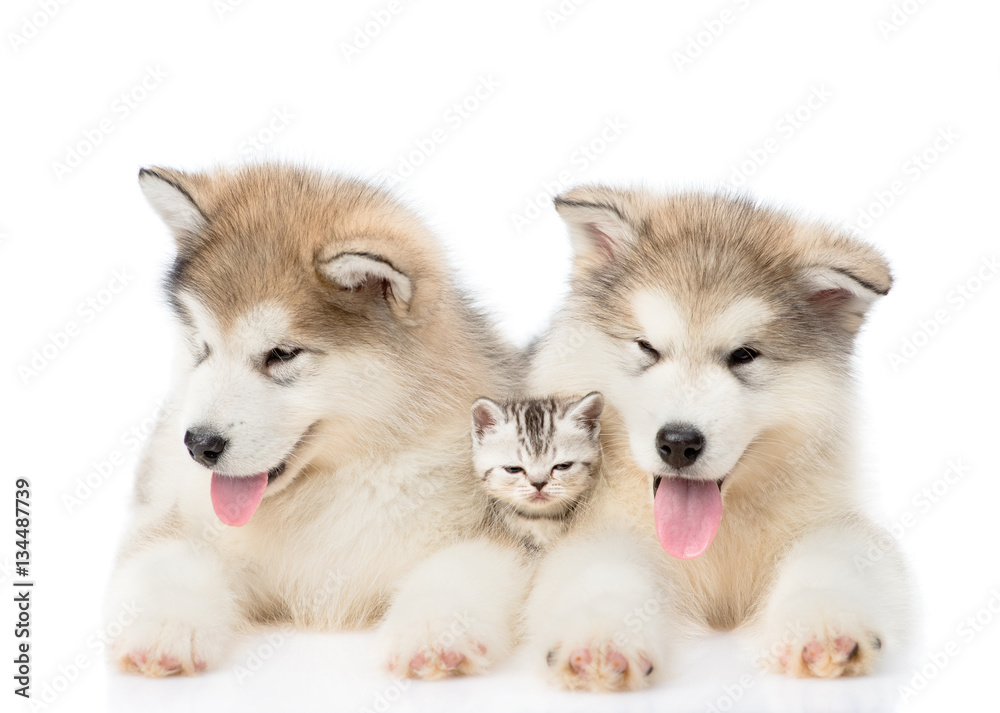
point(513, 469)
point(648, 349)
point(743, 355)
point(280, 355)
point(563, 466)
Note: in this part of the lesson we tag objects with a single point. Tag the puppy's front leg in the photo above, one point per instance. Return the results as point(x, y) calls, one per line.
point(175, 610)
point(456, 613)
point(840, 603)
point(598, 613)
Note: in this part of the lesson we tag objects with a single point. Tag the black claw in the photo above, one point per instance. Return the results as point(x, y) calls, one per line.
point(649, 670)
point(550, 657)
point(877, 643)
point(854, 651)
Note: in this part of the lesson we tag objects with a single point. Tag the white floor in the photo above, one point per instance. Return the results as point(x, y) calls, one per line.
point(337, 672)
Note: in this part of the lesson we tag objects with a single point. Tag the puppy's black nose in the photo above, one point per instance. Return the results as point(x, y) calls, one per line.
point(204, 446)
point(679, 445)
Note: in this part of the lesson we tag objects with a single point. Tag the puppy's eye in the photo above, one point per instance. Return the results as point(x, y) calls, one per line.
point(513, 469)
point(563, 466)
point(648, 349)
point(743, 355)
point(280, 355)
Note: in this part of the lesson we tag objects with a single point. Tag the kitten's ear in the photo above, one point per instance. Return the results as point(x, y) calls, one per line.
point(487, 415)
point(587, 412)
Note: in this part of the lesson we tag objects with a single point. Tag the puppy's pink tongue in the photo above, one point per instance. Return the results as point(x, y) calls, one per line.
point(687, 515)
point(235, 499)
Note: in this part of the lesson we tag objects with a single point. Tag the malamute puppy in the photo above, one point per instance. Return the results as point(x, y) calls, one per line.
point(316, 447)
point(721, 334)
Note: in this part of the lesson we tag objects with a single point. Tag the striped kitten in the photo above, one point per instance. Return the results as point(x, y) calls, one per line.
point(536, 458)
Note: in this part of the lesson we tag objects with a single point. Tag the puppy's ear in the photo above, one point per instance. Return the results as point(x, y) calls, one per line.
point(587, 412)
point(369, 273)
point(487, 416)
point(170, 193)
point(845, 278)
point(598, 227)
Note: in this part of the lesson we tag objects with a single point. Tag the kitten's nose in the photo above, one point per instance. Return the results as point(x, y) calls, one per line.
point(538, 484)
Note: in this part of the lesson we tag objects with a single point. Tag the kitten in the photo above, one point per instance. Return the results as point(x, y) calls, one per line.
point(537, 458)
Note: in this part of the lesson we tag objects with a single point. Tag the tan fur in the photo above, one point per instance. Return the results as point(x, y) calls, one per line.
point(798, 476)
point(383, 475)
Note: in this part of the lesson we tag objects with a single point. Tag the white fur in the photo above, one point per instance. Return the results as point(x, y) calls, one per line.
point(378, 473)
point(791, 562)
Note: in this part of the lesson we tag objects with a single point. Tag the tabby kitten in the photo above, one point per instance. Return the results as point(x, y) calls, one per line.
point(537, 458)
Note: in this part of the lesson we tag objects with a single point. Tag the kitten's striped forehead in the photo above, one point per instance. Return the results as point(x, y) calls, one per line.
point(536, 424)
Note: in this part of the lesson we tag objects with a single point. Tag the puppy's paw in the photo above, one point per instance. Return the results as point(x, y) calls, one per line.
point(600, 666)
point(442, 651)
point(165, 649)
point(169, 612)
point(827, 652)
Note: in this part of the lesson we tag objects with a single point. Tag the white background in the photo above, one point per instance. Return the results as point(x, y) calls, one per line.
point(886, 80)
